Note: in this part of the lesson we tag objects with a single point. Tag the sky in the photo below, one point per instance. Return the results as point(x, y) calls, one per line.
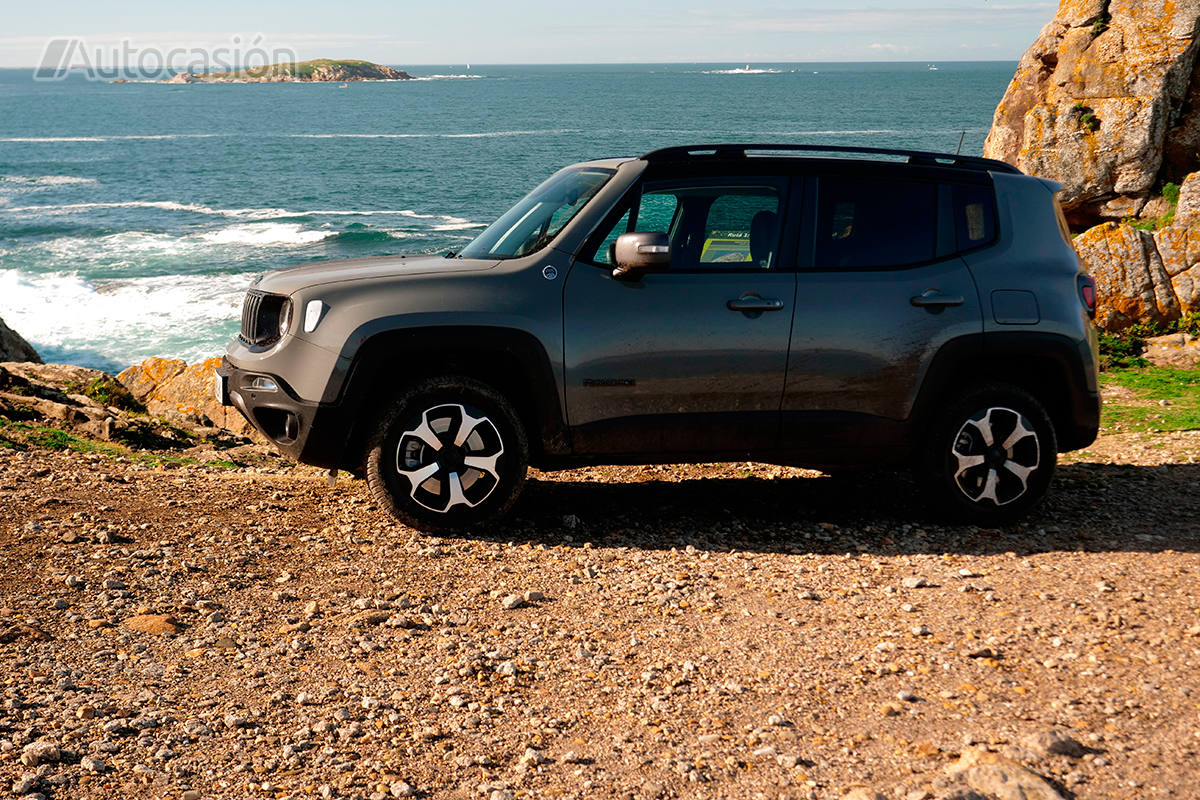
point(537, 31)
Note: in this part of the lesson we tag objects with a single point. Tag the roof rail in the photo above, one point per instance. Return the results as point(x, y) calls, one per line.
point(685, 152)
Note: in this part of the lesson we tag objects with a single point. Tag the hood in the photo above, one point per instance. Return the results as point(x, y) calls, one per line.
point(288, 280)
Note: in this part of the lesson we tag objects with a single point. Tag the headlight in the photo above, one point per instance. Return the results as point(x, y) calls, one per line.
point(313, 312)
point(285, 318)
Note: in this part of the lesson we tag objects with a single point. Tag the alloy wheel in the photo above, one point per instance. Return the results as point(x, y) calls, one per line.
point(449, 457)
point(995, 452)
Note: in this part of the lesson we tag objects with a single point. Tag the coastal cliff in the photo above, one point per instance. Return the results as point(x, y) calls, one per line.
point(1107, 102)
point(314, 71)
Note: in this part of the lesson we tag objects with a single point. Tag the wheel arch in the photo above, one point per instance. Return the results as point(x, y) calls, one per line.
point(510, 360)
point(1047, 366)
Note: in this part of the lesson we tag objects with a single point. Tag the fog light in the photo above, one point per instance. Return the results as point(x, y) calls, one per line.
point(261, 383)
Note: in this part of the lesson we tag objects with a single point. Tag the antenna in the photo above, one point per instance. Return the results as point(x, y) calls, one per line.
point(960, 141)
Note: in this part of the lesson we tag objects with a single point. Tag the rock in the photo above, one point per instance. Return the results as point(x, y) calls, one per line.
point(92, 764)
point(154, 623)
point(1132, 284)
point(913, 583)
point(891, 709)
point(1100, 103)
point(402, 789)
point(315, 70)
point(190, 794)
point(15, 348)
point(25, 784)
point(1173, 350)
point(513, 601)
point(996, 776)
point(170, 386)
point(1053, 742)
point(40, 753)
point(906, 696)
point(534, 596)
point(863, 793)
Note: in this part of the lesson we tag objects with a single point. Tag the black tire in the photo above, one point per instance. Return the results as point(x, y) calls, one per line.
point(460, 483)
point(990, 455)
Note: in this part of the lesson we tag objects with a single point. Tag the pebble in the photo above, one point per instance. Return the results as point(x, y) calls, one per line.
point(906, 696)
point(891, 709)
point(402, 789)
point(914, 583)
point(513, 601)
point(534, 596)
point(506, 668)
point(1053, 742)
point(500, 794)
point(75, 582)
point(807, 595)
point(190, 794)
point(920, 630)
point(92, 764)
point(40, 753)
point(26, 783)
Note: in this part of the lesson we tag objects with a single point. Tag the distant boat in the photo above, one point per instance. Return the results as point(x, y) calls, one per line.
point(933, 67)
point(344, 86)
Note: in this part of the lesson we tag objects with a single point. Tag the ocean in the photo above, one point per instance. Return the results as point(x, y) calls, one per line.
point(133, 216)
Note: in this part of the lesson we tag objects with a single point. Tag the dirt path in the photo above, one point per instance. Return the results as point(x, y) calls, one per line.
point(738, 631)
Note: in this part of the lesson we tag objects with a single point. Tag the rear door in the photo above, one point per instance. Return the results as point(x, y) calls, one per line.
point(689, 360)
point(881, 291)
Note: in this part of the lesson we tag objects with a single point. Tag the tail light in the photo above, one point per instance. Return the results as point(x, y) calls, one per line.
point(1087, 294)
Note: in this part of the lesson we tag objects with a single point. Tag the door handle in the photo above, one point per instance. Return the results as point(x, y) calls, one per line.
point(752, 302)
point(933, 298)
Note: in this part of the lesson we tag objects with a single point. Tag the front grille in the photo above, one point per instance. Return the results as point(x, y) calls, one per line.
point(260, 318)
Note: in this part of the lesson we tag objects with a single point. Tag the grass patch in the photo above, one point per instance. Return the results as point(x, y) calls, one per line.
point(25, 435)
point(1124, 350)
point(1135, 396)
point(107, 392)
point(1170, 193)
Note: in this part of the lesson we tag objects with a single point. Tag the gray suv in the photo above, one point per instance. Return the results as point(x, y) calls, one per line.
point(824, 307)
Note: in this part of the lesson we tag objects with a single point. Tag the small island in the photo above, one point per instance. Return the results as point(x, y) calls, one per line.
point(317, 70)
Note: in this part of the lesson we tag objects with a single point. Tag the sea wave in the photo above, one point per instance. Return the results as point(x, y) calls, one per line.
point(447, 77)
point(120, 322)
point(28, 182)
point(278, 233)
point(105, 138)
point(479, 135)
point(747, 70)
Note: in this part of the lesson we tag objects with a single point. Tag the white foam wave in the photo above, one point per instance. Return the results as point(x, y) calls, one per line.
point(447, 77)
point(864, 132)
point(58, 139)
point(480, 135)
point(458, 226)
point(124, 321)
point(266, 233)
point(747, 70)
point(45, 181)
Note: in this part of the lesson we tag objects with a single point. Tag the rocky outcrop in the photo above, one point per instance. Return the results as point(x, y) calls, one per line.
point(14, 348)
point(317, 70)
point(1107, 103)
point(62, 406)
point(1143, 276)
point(171, 387)
point(1180, 350)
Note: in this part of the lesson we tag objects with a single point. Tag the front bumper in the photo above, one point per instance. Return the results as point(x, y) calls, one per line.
point(311, 433)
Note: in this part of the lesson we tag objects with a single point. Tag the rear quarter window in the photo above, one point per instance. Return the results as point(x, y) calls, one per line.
point(974, 216)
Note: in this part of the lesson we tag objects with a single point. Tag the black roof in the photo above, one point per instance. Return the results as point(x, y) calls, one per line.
point(737, 151)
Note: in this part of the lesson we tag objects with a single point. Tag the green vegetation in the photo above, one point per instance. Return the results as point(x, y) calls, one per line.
point(1101, 24)
point(1170, 193)
point(300, 69)
point(26, 435)
point(1151, 399)
point(1124, 349)
point(107, 391)
point(1087, 117)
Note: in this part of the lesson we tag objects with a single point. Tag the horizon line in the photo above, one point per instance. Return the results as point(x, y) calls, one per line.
point(603, 63)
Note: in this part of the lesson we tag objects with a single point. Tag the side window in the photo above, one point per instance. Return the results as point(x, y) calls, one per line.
point(722, 226)
point(974, 216)
point(875, 223)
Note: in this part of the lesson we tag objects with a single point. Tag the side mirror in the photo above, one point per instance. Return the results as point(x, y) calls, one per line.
point(635, 253)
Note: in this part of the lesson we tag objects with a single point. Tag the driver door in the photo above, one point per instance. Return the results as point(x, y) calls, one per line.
point(691, 359)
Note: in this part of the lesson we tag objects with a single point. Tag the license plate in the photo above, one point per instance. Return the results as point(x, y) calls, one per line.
point(221, 389)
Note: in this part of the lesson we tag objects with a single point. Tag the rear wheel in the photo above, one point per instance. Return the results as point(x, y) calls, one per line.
point(448, 454)
point(990, 457)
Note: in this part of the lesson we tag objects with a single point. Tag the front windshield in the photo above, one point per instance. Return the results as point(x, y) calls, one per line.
point(532, 223)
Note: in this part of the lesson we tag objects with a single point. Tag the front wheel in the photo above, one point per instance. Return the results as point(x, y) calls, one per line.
point(990, 457)
point(448, 454)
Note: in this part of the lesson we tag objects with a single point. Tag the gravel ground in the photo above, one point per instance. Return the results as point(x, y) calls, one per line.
point(710, 631)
